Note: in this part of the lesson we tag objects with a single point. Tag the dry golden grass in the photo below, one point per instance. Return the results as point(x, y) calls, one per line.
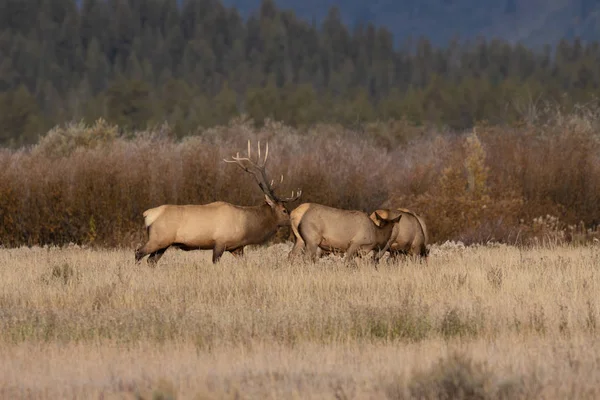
point(483, 322)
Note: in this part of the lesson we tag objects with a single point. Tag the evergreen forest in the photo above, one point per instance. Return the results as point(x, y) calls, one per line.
point(195, 64)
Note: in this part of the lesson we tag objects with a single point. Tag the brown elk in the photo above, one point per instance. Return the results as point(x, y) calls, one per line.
point(318, 227)
point(410, 236)
point(217, 226)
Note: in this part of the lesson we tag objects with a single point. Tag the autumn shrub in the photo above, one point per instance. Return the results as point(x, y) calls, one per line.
point(460, 202)
point(494, 183)
point(62, 141)
point(90, 184)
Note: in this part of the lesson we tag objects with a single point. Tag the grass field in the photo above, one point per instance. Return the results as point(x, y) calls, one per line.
point(477, 322)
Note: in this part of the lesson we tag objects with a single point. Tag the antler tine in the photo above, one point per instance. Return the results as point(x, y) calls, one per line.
point(266, 154)
point(274, 184)
point(256, 168)
point(238, 161)
point(261, 162)
point(292, 197)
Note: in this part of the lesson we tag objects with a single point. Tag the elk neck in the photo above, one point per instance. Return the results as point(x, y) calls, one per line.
point(382, 234)
point(262, 216)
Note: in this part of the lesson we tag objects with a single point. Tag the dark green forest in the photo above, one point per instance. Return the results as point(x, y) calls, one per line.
point(197, 63)
point(532, 22)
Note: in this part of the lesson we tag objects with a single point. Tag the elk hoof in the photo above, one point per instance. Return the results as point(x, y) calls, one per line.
point(138, 255)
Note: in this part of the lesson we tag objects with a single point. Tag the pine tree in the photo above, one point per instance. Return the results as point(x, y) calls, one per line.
point(129, 104)
point(263, 102)
point(96, 67)
point(19, 117)
point(225, 105)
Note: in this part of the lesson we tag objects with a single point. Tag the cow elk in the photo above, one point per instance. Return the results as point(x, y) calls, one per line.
point(217, 226)
point(410, 236)
point(321, 228)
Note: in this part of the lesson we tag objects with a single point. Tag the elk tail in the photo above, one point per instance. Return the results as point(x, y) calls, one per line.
point(152, 214)
point(296, 219)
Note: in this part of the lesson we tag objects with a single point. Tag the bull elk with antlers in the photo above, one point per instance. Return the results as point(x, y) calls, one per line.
point(217, 226)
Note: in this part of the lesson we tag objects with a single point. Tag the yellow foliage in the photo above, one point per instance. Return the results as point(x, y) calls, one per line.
point(477, 171)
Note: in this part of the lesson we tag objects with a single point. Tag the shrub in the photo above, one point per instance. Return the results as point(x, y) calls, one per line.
point(89, 184)
point(459, 377)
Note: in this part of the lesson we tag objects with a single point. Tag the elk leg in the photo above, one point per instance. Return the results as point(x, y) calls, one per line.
point(424, 255)
point(153, 245)
point(218, 251)
point(299, 244)
point(312, 249)
point(148, 248)
point(322, 253)
point(393, 256)
point(139, 254)
point(376, 256)
point(154, 257)
point(239, 252)
point(297, 249)
point(351, 251)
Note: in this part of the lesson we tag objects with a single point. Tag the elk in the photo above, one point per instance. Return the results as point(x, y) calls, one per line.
point(319, 227)
point(411, 237)
point(218, 226)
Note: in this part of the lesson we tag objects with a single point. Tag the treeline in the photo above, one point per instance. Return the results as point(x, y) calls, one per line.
point(90, 185)
point(196, 63)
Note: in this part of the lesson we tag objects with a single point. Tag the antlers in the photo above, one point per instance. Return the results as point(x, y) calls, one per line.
point(257, 169)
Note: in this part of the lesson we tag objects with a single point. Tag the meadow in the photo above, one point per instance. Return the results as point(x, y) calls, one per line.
point(479, 322)
point(511, 315)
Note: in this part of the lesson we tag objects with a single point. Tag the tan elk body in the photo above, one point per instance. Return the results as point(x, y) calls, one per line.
point(317, 226)
point(410, 234)
point(217, 226)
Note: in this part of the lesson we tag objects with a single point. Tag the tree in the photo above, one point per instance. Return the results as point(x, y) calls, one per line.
point(129, 105)
point(175, 93)
point(122, 30)
point(225, 105)
point(271, 64)
point(94, 19)
point(335, 42)
point(96, 67)
point(276, 50)
point(19, 117)
point(263, 102)
point(133, 68)
point(299, 105)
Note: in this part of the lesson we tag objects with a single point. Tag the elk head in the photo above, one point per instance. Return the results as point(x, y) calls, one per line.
point(257, 169)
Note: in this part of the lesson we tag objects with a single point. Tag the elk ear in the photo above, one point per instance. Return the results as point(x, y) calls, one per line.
point(378, 216)
point(385, 214)
point(269, 201)
point(394, 216)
